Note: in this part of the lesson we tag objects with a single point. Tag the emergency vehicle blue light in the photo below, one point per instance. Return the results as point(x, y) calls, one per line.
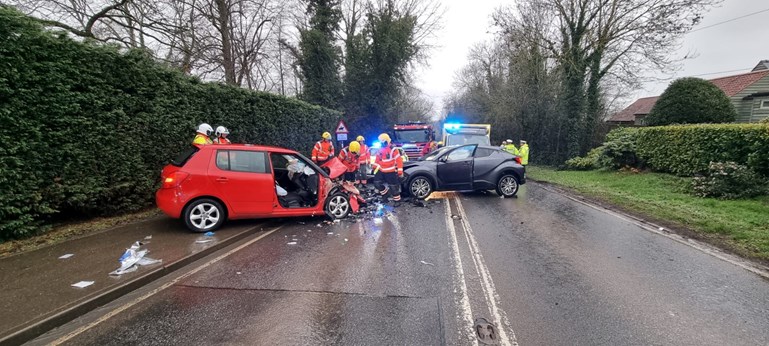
point(452, 126)
point(377, 145)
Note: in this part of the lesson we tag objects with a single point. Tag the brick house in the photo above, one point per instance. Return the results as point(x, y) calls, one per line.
point(749, 93)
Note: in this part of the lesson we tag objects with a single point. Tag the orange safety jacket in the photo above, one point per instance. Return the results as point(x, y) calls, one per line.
point(349, 159)
point(365, 155)
point(222, 140)
point(322, 151)
point(389, 160)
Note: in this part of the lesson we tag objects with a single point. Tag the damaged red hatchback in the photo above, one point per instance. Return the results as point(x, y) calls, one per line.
point(207, 185)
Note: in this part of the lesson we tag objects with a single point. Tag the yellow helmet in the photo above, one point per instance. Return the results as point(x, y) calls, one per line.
point(354, 147)
point(360, 139)
point(384, 138)
point(326, 135)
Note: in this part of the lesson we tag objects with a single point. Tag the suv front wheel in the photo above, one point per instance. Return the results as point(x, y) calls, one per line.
point(204, 215)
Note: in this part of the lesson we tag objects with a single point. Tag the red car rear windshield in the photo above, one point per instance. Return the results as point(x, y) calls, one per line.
point(185, 156)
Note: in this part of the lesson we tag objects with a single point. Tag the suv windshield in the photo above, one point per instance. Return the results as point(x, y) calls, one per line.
point(435, 154)
point(185, 156)
point(464, 139)
point(411, 136)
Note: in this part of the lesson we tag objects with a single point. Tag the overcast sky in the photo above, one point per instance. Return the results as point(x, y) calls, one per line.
point(735, 47)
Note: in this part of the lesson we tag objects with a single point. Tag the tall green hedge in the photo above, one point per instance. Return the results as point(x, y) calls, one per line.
point(687, 150)
point(87, 128)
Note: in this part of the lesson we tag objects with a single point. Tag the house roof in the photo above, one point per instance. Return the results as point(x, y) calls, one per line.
point(732, 85)
point(639, 107)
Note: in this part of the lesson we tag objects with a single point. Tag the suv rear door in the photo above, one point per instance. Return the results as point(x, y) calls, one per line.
point(244, 180)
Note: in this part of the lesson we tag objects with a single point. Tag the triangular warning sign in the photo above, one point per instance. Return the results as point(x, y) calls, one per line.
point(342, 127)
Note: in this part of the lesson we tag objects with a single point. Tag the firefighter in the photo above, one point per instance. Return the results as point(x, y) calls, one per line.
point(203, 135)
point(221, 135)
point(524, 153)
point(510, 147)
point(388, 168)
point(323, 149)
point(350, 157)
point(363, 160)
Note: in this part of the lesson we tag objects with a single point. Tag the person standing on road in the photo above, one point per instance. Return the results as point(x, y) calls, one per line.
point(323, 149)
point(510, 147)
point(388, 168)
point(363, 161)
point(203, 135)
point(524, 153)
point(351, 159)
point(221, 135)
point(429, 147)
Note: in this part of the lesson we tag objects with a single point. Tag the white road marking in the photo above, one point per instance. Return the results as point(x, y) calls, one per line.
point(487, 284)
point(138, 300)
point(754, 268)
point(467, 311)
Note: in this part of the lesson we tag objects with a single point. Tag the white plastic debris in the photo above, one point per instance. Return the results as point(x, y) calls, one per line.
point(337, 221)
point(377, 220)
point(661, 229)
point(131, 258)
point(345, 239)
point(66, 256)
point(202, 241)
point(148, 237)
point(292, 243)
point(427, 263)
point(238, 273)
point(455, 217)
point(82, 284)
point(330, 233)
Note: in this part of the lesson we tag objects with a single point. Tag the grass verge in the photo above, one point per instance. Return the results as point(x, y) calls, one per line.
point(740, 226)
point(67, 231)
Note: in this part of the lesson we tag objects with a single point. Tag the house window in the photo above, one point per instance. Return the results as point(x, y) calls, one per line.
point(764, 104)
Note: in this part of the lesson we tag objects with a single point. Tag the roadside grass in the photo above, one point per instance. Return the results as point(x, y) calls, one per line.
point(66, 231)
point(741, 226)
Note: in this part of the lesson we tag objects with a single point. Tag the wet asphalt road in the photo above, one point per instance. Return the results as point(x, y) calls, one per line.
point(545, 270)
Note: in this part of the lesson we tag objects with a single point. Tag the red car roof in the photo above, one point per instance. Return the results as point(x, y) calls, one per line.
point(256, 147)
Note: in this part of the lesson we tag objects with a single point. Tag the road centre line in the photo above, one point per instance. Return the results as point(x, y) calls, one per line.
point(138, 300)
point(487, 284)
point(467, 311)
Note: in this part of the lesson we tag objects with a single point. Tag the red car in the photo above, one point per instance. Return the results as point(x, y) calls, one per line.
point(209, 184)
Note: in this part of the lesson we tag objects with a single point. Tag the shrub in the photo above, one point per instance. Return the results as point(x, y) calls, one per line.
point(589, 162)
point(764, 121)
point(687, 150)
point(691, 101)
point(87, 128)
point(729, 180)
point(619, 150)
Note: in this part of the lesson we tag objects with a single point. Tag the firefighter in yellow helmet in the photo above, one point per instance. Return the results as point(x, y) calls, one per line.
point(363, 159)
point(323, 149)
point(350, 157)
point(388, 168)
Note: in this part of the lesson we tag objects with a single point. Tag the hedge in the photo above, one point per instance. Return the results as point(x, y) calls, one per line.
point(687, 150)
point(87, 128)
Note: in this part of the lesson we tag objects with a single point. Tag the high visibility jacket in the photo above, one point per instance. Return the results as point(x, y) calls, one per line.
point(389, 160)
point(365, 155)
point(430, 146)
point(510, 148)
point(322, 151)
point(524, 154)
point(221, 140)
point(202, 139)
point(349, 159)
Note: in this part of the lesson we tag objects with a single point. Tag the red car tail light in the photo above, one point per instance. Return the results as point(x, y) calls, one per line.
point(174, 179)
point(517, 159)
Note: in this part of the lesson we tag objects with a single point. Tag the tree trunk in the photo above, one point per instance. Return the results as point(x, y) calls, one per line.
point(228, 61)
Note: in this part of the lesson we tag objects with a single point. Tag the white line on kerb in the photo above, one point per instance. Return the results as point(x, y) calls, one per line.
point(138, 300)
point(487, 284)
point(467, 312)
